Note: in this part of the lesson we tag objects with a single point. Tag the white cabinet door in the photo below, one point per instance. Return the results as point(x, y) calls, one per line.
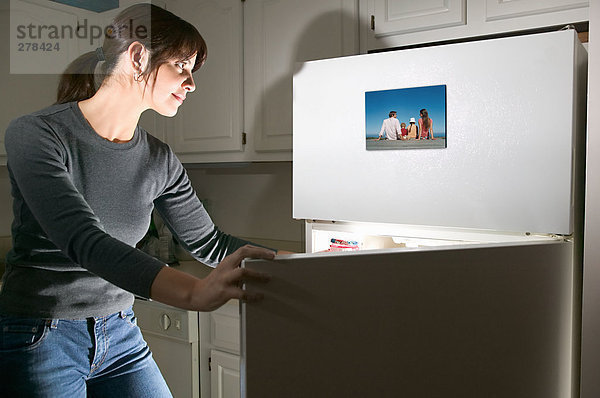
point(44, 38)
point(277, 34)
point(397, 17)
point(210, 120)
point(397, 23)
point(172, 335)
point(178, 363)
point(225, 375)
point(219, 350)
point(27, 77)
point(503, 9)
point(225, 327)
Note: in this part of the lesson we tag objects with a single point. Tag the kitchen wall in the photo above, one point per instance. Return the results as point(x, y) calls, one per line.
point(252, 200)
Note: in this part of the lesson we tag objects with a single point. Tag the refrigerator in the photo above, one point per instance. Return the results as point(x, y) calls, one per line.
point(433, 268)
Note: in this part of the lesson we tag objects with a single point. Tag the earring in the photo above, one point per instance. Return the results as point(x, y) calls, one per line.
point(137, 77)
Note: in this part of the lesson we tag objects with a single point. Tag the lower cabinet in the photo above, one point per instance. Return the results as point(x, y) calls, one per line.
point(198, 353)
point(224, 375)
point(220, 352)
point(172, 335)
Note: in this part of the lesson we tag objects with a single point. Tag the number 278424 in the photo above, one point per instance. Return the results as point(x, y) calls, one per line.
point(45, 47)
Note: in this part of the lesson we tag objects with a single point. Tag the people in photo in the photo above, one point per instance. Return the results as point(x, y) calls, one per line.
point(403, 132)
point(390, 126)
point(413, 130)
point(425, 126)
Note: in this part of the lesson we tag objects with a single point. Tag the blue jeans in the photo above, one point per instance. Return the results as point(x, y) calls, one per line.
point(94, 357)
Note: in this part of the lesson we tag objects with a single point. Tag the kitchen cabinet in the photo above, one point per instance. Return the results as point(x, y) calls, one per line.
point(242, 107)
point(28, 85)
point(211, 118)
point(225, 375)
point(397, 23)
point(277, 34)
point(398, 17)
point(172, 335)
point(220, 352)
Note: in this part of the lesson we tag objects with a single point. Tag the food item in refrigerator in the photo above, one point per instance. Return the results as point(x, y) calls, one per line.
point(340, 245)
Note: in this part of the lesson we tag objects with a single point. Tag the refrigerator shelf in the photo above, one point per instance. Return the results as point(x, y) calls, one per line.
point(369, 236)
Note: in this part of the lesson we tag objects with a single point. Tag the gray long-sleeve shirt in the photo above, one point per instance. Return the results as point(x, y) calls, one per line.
point(81, 203)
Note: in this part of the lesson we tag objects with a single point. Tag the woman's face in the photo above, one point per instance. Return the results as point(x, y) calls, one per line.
point(173, 82)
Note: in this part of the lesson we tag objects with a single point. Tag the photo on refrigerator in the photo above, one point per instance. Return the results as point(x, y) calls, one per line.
point(406, 118)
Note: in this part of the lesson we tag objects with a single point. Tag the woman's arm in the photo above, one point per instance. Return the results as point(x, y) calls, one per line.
point(186, 217)
point(182, 290)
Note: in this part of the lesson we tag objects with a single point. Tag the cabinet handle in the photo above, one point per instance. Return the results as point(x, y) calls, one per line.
point(372, 22)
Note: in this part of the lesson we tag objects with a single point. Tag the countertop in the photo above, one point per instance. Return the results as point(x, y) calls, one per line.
point(193, 267)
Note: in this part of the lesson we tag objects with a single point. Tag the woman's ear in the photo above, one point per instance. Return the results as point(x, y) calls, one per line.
point(137, 54)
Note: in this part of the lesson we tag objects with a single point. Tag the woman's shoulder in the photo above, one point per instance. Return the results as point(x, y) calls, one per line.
point(37, 117)
point(44, 120)
point(151, 139)
point(39, 129)
point(156, 146)
point(160, 152)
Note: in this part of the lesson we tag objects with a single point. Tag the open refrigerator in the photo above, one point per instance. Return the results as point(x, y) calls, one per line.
point(448, 272)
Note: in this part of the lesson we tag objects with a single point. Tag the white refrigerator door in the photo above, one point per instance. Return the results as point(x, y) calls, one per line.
point(493, 321)
point(513, 111)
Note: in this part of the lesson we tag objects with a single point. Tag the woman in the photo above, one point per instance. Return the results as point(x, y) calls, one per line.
point(425, 126)
point(85, 178)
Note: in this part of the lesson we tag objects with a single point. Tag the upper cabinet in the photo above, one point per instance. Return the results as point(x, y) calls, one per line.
point(396, 23)
point(277, 35)
point(242, 107)
point(210, 120)
point(30, 63)
point(400, 17)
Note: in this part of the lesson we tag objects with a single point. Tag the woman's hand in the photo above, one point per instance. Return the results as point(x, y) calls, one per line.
point(185, 291)
point(225, 281)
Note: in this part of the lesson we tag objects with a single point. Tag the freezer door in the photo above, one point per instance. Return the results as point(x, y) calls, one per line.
point(514, 108)
point(494, 321)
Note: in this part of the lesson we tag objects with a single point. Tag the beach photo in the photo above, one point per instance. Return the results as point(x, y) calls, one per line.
point(406, 118)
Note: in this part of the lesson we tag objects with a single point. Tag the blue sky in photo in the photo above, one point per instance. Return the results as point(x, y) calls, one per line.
point(407, 102)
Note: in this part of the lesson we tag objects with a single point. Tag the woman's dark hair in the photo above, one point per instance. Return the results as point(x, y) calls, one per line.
point(165, 36)
point(425, 118)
